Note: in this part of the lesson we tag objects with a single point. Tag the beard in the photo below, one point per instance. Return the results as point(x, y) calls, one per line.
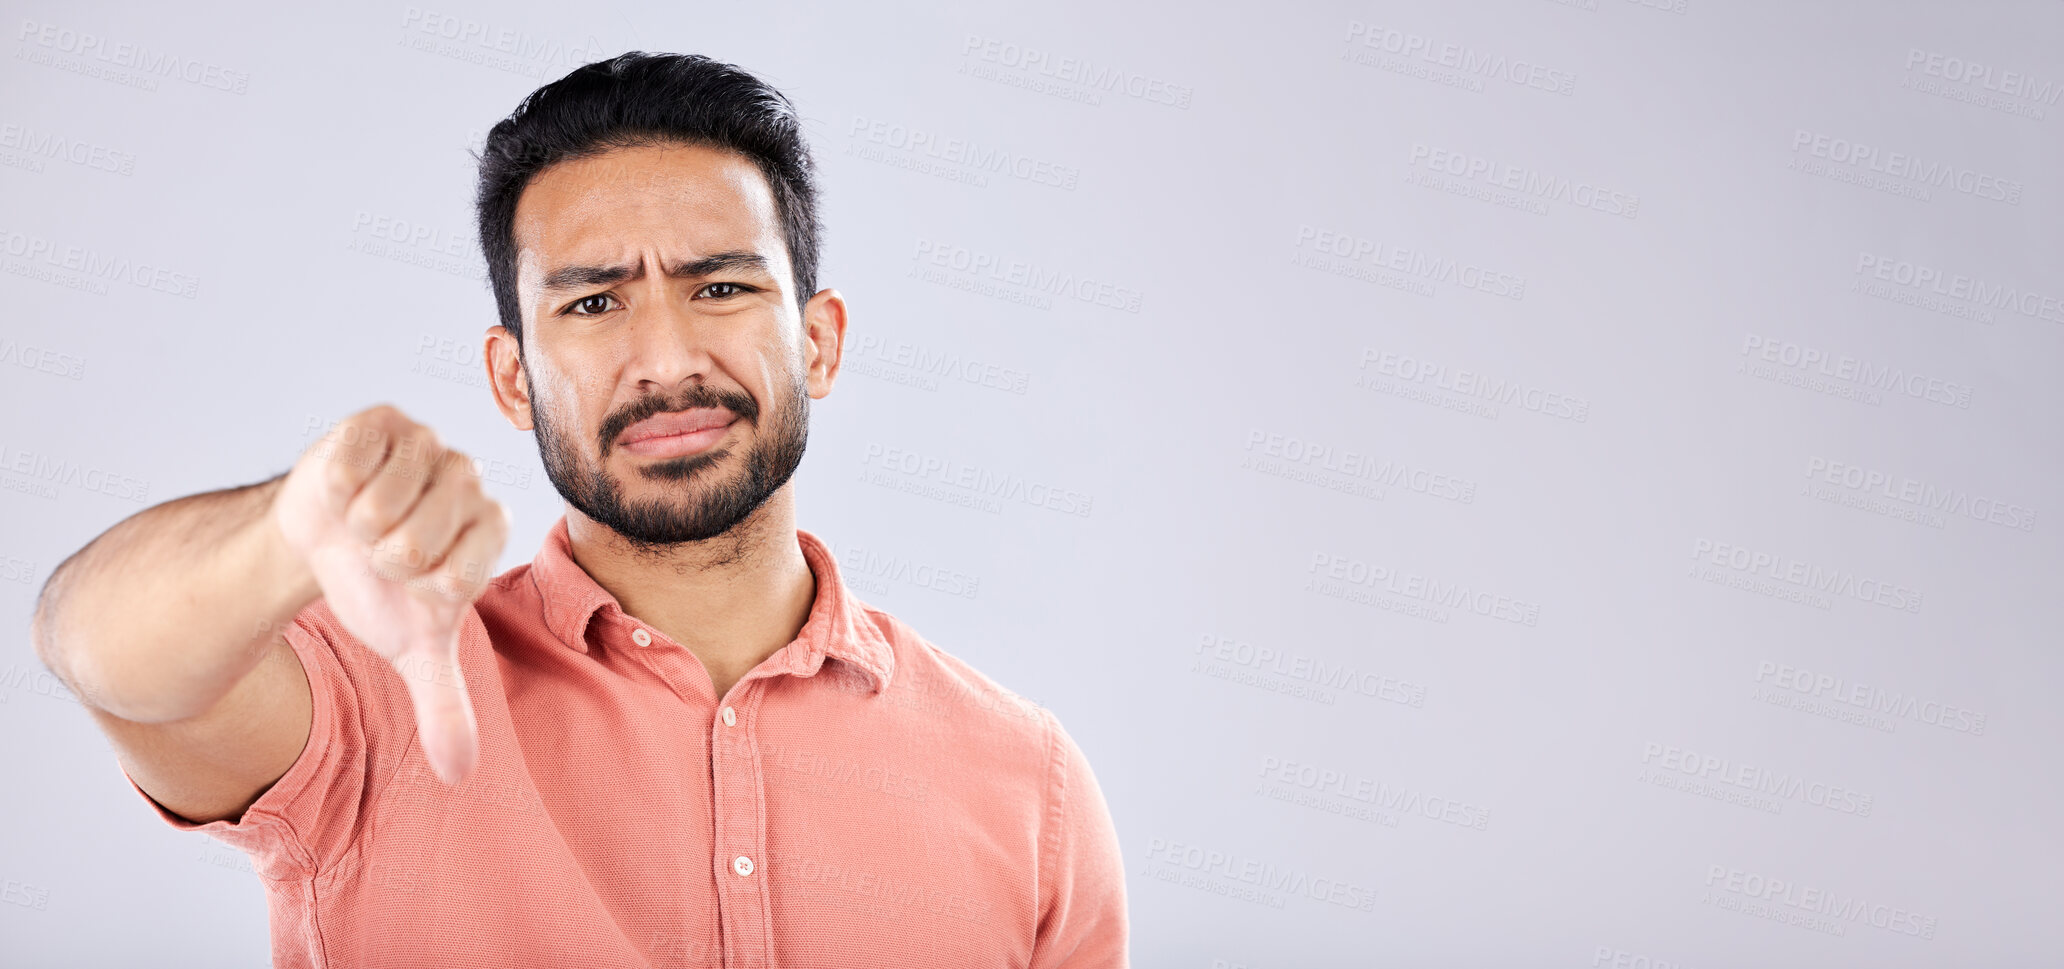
point(704, 501)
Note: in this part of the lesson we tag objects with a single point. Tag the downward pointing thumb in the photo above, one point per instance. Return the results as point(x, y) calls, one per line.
point(444, 717)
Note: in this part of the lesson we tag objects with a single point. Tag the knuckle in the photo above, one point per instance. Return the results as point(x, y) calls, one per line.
point(490, 520)
point(460, 576)
point(355, 432)
point(370, 514)
point(459, 466)
point(334, 474)
point(372, 420)
point(418, 445)
point(470, 570)
point(407, 546)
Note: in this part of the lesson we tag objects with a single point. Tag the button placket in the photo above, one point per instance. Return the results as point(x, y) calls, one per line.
point(736, 784)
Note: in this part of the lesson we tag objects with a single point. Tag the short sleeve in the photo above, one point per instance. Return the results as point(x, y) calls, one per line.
point(1082, 919)
point(361, 726)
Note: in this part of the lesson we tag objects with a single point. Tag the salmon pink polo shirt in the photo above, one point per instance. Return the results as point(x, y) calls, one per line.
point(861, 798)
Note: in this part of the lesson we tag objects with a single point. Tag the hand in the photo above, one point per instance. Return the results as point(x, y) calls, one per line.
point(401, 539)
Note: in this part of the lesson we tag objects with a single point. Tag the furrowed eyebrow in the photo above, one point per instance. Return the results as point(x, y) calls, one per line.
point(583, 277)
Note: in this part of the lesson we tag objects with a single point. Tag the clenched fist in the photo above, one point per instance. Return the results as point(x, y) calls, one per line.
point(401, 539)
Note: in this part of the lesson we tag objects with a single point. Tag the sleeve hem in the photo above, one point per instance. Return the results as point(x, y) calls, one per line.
point(268, 812)
point(1052, 822)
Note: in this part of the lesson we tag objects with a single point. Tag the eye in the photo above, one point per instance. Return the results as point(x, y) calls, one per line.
point(589, 301)
point(735, 287)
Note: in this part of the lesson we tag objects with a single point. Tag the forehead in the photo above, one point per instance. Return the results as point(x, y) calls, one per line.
point(605, 209)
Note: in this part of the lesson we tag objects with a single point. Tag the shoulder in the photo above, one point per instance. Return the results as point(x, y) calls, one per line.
point(1027, 756)
point(937, 685)
point(508, 589)
point(513, 609)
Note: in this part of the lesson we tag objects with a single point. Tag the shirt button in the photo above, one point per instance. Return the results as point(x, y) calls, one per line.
point(730, 717)
point(641, 637)
point(742, 865)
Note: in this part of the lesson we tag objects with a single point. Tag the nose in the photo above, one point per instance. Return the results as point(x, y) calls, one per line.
point(667, 345)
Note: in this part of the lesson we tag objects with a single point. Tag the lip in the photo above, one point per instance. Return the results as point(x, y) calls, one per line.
point(678, 433)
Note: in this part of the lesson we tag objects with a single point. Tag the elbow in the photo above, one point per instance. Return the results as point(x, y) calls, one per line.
point(86, 674)
point(51, 649)
point(43, 635)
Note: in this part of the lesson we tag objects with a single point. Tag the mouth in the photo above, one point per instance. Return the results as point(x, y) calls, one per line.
point(678, 433)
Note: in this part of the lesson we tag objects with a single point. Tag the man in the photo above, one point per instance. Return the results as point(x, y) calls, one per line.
point(672, 739)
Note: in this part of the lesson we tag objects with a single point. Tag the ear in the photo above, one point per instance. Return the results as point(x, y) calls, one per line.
point(503, 358)
point(824, 340)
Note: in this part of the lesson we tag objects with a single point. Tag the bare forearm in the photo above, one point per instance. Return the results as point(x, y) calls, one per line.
point(161, 615)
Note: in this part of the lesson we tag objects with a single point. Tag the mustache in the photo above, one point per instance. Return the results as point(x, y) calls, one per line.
point(697, 395)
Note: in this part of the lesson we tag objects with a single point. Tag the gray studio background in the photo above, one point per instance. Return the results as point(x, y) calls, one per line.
point(1581, 476)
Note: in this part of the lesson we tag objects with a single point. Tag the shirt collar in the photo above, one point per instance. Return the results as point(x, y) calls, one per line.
point(838, 625)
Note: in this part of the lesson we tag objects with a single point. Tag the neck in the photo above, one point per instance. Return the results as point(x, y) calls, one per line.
point(732, 600)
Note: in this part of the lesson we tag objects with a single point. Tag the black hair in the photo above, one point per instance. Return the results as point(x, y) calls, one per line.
point(636, 99)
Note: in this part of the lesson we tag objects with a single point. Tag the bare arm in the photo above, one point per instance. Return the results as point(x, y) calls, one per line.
point(168, 627)
point(161, 615)
point(171, 625)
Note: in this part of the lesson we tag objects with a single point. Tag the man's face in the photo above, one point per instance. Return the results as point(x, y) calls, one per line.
point(665, 367)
